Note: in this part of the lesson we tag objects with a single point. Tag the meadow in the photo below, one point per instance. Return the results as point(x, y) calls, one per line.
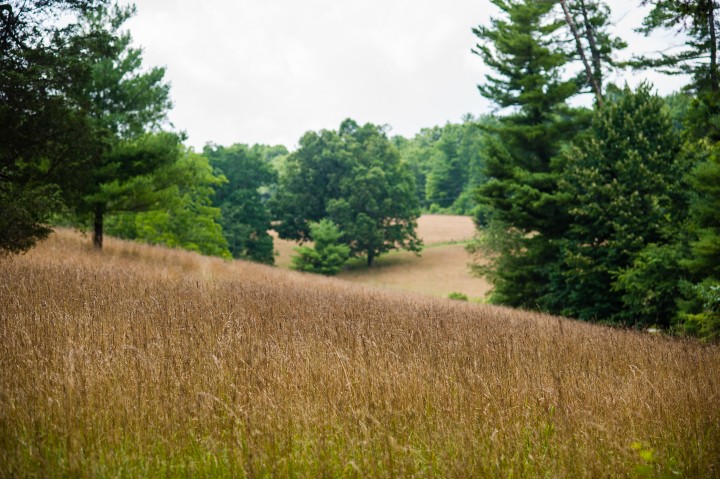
point(441, 269)
point(141, 361)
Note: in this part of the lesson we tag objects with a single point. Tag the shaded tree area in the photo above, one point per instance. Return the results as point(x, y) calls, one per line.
point(44, 134)
point(173, 207)
point(124, 102)
point(82, 138)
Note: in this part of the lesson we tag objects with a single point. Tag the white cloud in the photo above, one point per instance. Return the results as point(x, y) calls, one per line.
point(267, 71)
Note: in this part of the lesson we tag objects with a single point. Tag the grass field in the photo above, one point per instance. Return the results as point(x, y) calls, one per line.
point(442, 268)
point(148, 362)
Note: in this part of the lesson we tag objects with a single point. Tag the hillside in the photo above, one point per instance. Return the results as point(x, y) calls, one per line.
point(144, 361)
point(442, 268)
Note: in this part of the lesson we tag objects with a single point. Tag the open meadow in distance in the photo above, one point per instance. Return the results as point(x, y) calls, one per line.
point(141, 361)
point(441, 269)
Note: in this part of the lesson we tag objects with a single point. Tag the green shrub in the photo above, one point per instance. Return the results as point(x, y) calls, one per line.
point(458, 296)
point(326, 256)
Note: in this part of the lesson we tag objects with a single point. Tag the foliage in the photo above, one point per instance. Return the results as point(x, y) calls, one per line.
point(458, 296)
point(706, 322)
point(696, 20)
point(459, 170)
point(447, 164)
point(595, 45)
point(42, 132)
point(700, 311)
point(183, 216)
point(519, 200)
point(245, 217)
point(355, 178)
point(312, 178)
point(698, 56)
point(124, 101)
point(624, 192)
point(26, 210)
point(327, 256)
point(705, 213)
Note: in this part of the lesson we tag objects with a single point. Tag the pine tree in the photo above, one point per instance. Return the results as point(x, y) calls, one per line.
point(623, 184)
point(327, 255)
point(698, 21)
point(589, 22)
point(124, 101)
point(520, 197)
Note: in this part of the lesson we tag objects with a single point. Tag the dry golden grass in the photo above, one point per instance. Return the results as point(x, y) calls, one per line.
point(142, 361)
point(441, 269)
point(434, 229)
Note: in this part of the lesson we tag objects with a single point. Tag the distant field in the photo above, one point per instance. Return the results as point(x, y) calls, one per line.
point(148, 362)
point(441, 269)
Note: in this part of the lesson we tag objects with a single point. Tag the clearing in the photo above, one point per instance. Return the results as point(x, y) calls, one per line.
point(442, 267)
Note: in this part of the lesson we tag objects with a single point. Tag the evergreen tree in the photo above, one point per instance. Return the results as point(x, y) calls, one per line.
point(623, 184)
point(520, 195)
point(327, 255)
point(588, 22)
point(698, 20)
point(175, 206)
point(124, 101)
point(42, 132)
point(705, 213)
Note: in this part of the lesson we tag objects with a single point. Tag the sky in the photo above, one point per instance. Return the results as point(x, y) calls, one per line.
point(267, 71)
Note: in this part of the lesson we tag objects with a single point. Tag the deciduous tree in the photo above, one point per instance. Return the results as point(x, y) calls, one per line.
point(245, 217)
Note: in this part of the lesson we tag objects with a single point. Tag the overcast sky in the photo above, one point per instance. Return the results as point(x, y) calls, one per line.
point(267, 71)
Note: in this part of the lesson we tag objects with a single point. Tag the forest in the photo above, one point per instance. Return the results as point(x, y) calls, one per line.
point(608, 213)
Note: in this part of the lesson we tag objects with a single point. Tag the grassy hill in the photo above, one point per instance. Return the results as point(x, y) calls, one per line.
point(442, 268)
point(143, 361)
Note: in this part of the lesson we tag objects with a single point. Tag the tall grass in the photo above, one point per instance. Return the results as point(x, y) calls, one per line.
point(143, 361)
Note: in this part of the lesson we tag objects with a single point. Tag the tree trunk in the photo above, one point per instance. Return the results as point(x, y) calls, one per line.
point(581, 51)
point(714, 83)
point(370, 258)
point(594, 50)
point(97, 237)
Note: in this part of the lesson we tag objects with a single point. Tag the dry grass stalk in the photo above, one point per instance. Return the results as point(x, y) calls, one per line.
point(144, 361)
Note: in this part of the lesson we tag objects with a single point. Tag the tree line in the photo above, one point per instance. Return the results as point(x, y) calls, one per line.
point(86, 142)
point(609, 214)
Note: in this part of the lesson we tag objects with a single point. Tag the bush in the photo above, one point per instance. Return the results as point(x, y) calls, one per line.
point(326, 256)
point(458, 296)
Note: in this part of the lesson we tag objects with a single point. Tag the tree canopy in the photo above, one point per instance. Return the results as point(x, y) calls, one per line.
point(43, 132)
point(354, 177)
point(244, 216)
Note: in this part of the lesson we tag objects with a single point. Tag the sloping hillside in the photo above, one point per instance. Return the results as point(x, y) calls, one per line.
point(442, 268)
point(142, 361)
